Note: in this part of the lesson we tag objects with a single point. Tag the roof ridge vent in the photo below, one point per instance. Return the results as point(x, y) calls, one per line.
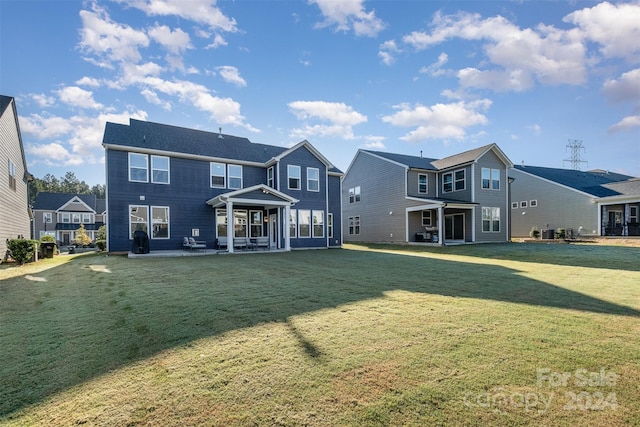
point(220, 133)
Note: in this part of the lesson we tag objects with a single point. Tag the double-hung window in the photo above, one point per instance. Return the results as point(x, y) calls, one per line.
point(138, 219)
point(459, 179)
point(270, 180)
point(313, 179)
point(304, 223)
point(426, 218)
point(235, 176)
point(255, 224)
point(293, 173)
point(330, 225)
point(354, 194)
point(160, 221)
point(318, 223)
point(354, 225)
point(159, 169)
point(218, 175)
point(138, 167)
point(447, 182)
point(422, 183)
point(490, 179)
point(490, 220)
point(293, 223)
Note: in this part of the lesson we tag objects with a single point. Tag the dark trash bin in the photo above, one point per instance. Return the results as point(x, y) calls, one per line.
point(548, 234)
point(47, 249)
point(140, 242)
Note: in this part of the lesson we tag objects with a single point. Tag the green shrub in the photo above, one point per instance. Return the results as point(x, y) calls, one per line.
point(560, 233)
point(534, 233)
point(47, 238)
point(101, 244)
point(22, 250)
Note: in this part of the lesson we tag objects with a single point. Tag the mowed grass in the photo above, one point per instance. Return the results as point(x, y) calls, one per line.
point(365, 335)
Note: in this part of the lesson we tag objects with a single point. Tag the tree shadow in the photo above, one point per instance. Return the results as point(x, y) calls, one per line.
point(571, 255)
point(86, 320)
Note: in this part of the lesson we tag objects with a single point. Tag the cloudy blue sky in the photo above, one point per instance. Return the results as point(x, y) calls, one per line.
point(435, 77)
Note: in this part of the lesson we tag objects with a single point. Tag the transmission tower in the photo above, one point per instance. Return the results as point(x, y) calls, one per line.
point(575, 147)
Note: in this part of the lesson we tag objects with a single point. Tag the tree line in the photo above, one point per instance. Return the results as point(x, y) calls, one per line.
point(67, 184)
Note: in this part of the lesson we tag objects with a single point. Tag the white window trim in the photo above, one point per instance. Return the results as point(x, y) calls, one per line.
point(523, 204)
point(168, 170)
point(313, 225)
point(289, 177)
point(515, 205)
point(313, 180)
point(270, 176)
point(355, 220)
point(293, 226)
point(211, 175)
point(229, 176)
point(330, 225)
point(464, 180)
point(533, 203)
point(443, 182)
point(429, 218)
point(146, 157)
point(309, 223)
point(426, 183)
point(151, 208)
point(492, 219)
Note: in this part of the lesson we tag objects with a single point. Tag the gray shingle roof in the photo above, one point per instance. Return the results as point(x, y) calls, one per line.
point(461, 158)
point(156, 136)
point(52, 201)
point(415, 162)
point(591, 182)
point(629, 187)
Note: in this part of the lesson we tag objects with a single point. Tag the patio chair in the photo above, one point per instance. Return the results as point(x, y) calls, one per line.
point(197, 244)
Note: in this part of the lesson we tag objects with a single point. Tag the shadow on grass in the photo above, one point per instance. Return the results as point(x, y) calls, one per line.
point(96, 314)
point(572, 255)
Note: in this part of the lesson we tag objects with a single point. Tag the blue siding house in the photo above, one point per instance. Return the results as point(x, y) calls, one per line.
point(174, 182)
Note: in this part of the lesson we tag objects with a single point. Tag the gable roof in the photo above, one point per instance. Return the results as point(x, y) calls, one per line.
point(471, 156)
point(53, 201)
point(414, 162)
point(590, 182)
point(5, 102)
point(630, 187)
point(156, 136)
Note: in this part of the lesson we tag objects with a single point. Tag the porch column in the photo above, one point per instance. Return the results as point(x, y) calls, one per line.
point(441, 225)
point(287, 228)
point(603, 222)
point(230, 226)
point(626, 219)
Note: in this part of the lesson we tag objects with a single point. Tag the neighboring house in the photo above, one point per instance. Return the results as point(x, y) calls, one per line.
point(173, 182)
point(399, 198)
point(592, 202)
point(15, 219)
point(61, 214)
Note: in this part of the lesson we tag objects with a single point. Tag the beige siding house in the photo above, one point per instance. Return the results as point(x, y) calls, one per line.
point(14, 205)
point(396, 198)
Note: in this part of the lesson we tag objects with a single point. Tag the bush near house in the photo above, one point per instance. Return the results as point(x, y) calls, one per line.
point(81, 238)
point(22, 250)
point(534, 233)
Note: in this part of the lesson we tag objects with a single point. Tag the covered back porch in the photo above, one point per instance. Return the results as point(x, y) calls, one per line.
point(260, 218)
point(440, 222)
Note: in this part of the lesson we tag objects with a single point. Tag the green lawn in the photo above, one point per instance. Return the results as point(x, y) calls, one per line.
point(509, 334)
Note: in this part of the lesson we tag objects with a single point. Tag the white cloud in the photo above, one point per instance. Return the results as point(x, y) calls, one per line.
point(615, 27)
point(440, 121)
point(435, 69)
point(550, 55)
point(626, 124)
point(88, 81)
point(82, 136)
point(374, 142)
point(535, 128)
point(176, 41)
point(626, 88)
point(387, 52)
point(109, 41)
point(78, 97)
point(200, 11)
point(43, 100)
point(340, 116)
point(231, 75)
point(349, 15)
